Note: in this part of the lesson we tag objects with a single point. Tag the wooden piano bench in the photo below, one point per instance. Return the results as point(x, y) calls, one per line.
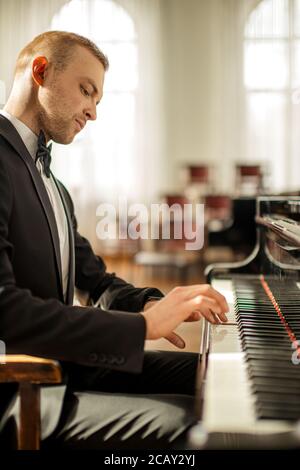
point(29, 372)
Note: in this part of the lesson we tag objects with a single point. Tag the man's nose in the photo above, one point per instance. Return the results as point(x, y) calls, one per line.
point(91, 113)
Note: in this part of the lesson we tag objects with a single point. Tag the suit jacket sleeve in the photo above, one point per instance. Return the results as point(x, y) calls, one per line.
point(48, 328)
point(91, 276)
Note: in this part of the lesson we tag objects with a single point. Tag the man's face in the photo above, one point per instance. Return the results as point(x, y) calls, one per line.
point(68, 99)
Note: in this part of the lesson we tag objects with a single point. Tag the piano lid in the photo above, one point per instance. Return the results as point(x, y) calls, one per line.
point(277, 249)
point(283, 228)
point(279, 223)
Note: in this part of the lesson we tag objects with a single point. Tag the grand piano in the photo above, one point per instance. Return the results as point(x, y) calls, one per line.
point(248, 380)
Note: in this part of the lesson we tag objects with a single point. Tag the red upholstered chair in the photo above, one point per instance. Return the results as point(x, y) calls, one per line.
point(198, 181)
point(169, 255)
point(248, 180)
point(198, 174)
point(218, 218)
point(218, 211)
point(171, 199)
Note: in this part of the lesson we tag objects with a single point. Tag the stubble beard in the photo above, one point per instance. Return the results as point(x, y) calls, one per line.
point(57, 129)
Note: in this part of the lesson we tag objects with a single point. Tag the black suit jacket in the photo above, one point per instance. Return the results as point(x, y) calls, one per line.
point(33, 316)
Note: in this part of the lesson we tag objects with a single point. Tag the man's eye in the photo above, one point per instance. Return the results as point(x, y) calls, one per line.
point(84, 91)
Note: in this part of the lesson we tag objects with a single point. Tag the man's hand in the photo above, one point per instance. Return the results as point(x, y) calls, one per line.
point(188, 303)
point(173, 337)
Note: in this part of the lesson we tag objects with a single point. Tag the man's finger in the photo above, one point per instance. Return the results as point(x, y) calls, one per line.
point(194, 316)
point(220, 299)
point(222, 317)
point(208, 315)
point(213, 305)
point(211, 293)
point(176, 340)
point(201, 301)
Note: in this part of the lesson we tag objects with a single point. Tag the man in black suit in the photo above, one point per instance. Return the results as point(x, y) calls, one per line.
point(114, 394)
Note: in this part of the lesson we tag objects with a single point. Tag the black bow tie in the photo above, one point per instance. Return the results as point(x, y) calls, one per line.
point(44, 153)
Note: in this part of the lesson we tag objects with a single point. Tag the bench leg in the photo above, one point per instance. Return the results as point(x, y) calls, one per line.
point(30, 425)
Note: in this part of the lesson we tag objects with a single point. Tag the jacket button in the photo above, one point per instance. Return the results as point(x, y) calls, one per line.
point(111, 359)
point(102, 358)
point(93, 357)
point(120, 360)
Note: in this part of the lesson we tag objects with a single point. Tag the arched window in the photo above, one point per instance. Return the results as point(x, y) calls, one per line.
point(100, 163)
point(272, 80)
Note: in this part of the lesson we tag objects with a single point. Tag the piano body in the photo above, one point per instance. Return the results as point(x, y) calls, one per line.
point(240, 233)
point(248, 381)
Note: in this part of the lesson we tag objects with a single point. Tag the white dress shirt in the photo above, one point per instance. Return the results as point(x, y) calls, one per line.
point(31, 142)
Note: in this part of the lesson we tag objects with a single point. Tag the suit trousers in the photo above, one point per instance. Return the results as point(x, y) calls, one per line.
point(105, 409)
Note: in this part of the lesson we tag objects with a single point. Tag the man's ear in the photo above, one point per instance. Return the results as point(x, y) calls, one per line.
point(39, 66)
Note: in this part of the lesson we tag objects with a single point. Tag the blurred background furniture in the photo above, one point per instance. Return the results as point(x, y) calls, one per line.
point(197, 181)
point(218, 212)
point(198, 174)
point(29, 372)
point(239, 234)
point(168, 255)
point(248, 180)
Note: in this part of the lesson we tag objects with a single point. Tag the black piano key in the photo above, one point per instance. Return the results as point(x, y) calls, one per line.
point(247, 332)
point(287, 401)
point(276, 382)
point(265, 354)
point(268, 364)
point(260, 343)
point(280, 387)
point(278, 414)
point(262, 327)
point(269, 374)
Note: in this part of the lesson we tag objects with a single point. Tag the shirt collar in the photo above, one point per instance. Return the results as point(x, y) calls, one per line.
point(29, 138)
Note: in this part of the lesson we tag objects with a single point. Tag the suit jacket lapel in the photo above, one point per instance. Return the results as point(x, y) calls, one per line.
point(8, 131)
point(71, 278)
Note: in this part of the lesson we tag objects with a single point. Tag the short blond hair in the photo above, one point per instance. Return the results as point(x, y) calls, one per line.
point(58, 47)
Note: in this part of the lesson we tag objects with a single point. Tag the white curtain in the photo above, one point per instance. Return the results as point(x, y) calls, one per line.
point(119, 155)
point(272, 81)
point(21, 21)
